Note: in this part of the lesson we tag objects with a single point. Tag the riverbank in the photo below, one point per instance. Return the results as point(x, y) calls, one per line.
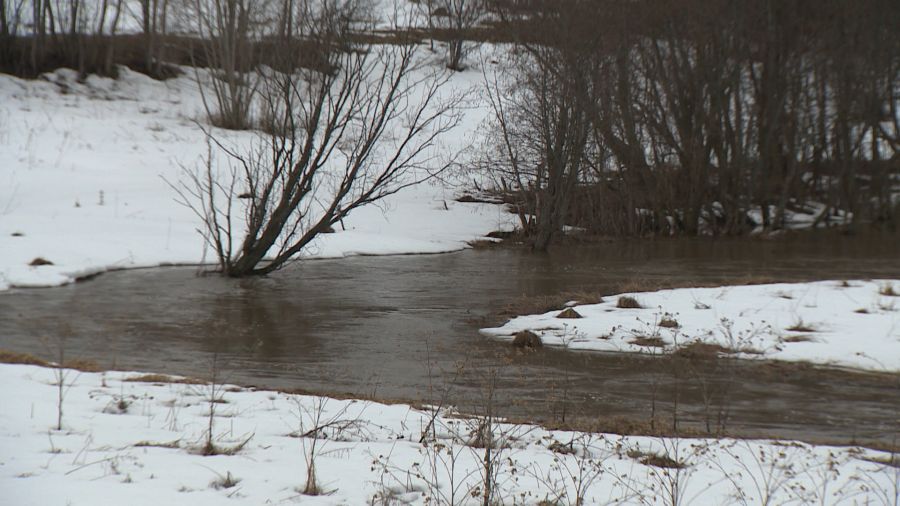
point(853, 324)
point(129, 437)
point(88, 170)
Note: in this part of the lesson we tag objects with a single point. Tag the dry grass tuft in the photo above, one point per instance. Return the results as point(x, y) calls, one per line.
point(210, 449)
point(11, 357)
point(801, 327)
point(626, 302)
point(699, 349)
point(667, 322)
point(83, 365)
point(482, 244)
point(887, 290)
point(663, 461)
point(527, 339)
point(569, 313)
point(226, 481)
point(39, 261)
point(890, 461)
point(153, 444)
point(649, 341)
point(655, 460)
point(80, 364)
point(862, 310)
point(797, 339)
point(162, 378)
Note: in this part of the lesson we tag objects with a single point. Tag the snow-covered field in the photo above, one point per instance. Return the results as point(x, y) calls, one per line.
point(85, 170)
point(126, 442)
point(852, 324)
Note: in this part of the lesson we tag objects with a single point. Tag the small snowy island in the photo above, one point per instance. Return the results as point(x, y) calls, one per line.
point(853, 324)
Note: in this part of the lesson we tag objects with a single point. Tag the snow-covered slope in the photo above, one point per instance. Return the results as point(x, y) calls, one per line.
point(85, 173)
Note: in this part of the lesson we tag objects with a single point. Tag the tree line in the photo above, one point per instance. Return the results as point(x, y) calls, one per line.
point(697, 116)
point(624, 117)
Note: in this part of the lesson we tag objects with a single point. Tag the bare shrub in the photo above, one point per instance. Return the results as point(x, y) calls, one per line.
point(358, 129)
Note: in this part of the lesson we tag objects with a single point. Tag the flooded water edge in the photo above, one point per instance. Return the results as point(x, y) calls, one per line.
point(405, 328)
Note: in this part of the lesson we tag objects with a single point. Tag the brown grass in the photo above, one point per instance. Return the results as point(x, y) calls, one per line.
point(626, 302)
point(163, 378)
point(483, 244)
point(699, 349)
point(655, 460)
point(648, 341)
point(801, 327)
point(545, 303)
point(153, 444)
point(39, 261)
point(797, 339)
point(527, 339)
point(862, 310)
point(568, 313)
point(11, 357)
point(83, 364)
point(80, 364)
point(668, 323)
point(891, 460)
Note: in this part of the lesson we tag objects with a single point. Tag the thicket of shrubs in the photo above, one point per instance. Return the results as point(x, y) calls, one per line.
point(698, 116)
point(622, 117)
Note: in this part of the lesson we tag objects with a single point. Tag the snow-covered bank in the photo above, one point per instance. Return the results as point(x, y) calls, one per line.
point(127, 442)
point(85, 171)
point(838, 323)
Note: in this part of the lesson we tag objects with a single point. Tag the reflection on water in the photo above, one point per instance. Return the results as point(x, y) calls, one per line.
point(392, 326)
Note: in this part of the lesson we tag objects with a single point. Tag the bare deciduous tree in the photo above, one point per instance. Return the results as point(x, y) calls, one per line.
point(460, 17)
point(336, 138)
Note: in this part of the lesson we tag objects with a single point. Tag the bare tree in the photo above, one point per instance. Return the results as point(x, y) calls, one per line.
point(227, 26)
point(461, 16)
point(541, 126)
point(337, 138)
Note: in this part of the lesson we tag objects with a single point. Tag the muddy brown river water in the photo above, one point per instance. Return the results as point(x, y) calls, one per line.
point(405, 328)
